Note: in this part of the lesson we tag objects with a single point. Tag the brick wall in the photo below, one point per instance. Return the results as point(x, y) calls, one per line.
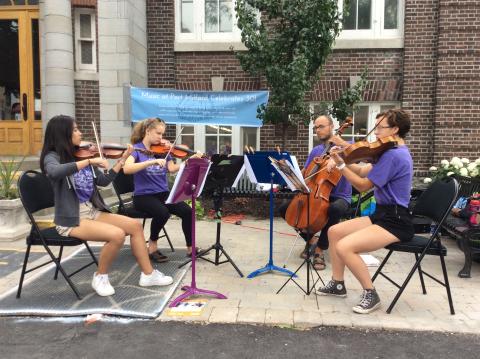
point(457, 110)
point(160, 39)
point(87, 107)
point(419, 77)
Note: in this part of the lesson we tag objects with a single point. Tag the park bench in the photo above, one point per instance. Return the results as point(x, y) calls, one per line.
point(467, 237)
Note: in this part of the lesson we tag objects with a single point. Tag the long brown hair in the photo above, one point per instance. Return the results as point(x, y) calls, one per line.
point(140, 129)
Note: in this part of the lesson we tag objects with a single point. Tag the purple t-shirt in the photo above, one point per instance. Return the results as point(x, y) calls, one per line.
point(392, 176)
point(152, 179)
point(84, 184)
point(343, 189)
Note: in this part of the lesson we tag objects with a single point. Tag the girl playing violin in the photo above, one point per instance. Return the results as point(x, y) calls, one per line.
point(151, 185)
point(391, 179)
point(79, 209)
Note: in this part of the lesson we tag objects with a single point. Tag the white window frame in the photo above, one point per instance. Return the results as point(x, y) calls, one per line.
point(199, 34)
point(377, 31)
point(78, 56)
point(373, 110)
point(199, 138)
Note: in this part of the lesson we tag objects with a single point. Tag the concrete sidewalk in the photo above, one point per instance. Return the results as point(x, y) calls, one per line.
point(253, 301)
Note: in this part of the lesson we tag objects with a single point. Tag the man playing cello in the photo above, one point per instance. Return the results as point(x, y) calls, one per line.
point(340, 196)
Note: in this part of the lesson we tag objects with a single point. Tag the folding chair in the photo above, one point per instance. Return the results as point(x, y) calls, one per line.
point(435, 203)
point(36, 193)
point(123, 184)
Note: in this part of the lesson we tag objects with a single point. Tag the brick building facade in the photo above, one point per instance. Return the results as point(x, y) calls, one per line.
point(432, 69)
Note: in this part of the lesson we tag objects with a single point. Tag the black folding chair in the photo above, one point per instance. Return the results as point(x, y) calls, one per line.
point(36, 193)
point(435, 203)
point(122, 185)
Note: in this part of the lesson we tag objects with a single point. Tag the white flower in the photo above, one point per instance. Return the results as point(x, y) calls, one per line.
point(427, 180)
point(477, 161)
point(463, 172)
point(465, 160)
point(432, 169)
point(450, 173)
point(474, 173)
point(457, 162)
point(471, 166)
point(445, 163)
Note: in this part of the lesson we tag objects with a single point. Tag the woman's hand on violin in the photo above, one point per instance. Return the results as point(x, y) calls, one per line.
point(331, 165)
point(335, 155)
point(127, 152)
point(162, 162)
point(198, 154)
point(99, 162)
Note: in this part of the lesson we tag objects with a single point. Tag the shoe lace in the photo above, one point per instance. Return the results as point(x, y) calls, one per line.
point(330, 285)
point(366, 299)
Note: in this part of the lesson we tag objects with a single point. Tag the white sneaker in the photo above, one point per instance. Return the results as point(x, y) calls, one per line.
point(154, 278)
point(102, 285)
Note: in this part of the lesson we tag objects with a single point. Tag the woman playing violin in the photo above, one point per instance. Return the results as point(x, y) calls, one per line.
point(151, 185)
point(391, 179)
point(80, 211)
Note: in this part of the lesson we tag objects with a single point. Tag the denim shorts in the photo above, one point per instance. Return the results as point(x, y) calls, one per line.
point(395, 219)
point(87, 211)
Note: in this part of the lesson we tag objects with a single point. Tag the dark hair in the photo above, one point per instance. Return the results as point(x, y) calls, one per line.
point(58, 138)
point(399, 118)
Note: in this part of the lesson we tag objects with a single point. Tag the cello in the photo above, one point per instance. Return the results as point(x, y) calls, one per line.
point(320, 183)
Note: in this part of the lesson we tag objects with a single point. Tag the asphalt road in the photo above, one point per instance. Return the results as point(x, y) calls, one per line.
point(45, 338)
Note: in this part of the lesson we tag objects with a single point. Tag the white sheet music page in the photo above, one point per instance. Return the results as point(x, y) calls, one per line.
point(175, 184)
point(250, 173)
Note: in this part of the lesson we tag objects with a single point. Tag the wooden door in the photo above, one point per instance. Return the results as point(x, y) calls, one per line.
point(20, 106)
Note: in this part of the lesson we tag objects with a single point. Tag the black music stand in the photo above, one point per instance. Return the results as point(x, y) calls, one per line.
point(224, 172)
point(296, 183)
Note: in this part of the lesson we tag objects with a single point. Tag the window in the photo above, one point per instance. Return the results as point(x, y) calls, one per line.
point(372, 19)
point(85, 40)
point(206, 20)
point(363, 122)
point(212, 139)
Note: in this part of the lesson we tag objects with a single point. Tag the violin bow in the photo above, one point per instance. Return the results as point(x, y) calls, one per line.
point(98, 145)
point(173, 144)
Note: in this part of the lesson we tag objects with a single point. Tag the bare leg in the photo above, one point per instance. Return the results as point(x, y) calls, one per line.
point(90, 230)
point(131, 227)
point(335, 234)
point(367, 239)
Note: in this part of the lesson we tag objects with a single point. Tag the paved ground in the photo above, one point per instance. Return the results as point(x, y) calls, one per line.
point(147, 339)
point(253, 301)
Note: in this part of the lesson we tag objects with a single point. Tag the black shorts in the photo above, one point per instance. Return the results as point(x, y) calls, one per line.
point(395, 219)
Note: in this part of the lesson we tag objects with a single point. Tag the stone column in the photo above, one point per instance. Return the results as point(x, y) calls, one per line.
point(122, 55)
point(56, 58)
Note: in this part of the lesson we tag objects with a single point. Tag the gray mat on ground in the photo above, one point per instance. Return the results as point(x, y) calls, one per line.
point(43, 296)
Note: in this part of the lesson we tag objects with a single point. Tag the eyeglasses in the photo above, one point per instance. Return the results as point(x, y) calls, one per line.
point(320, 127)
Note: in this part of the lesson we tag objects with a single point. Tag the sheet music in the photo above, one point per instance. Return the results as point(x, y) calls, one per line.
point(239, 175)
point(175, 184)
point(248, 167)
point(296, 172)
point(198, 191)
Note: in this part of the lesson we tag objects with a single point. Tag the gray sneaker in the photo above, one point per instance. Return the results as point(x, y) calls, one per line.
point(333, 288)
point(369, 302)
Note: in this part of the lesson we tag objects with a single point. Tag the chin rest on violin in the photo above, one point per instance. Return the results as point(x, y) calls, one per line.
point(364, 151)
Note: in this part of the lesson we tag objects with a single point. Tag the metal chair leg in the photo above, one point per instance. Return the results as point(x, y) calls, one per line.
point(420, 274)
point(24, 268)
point(60, 252)
point(447, 284)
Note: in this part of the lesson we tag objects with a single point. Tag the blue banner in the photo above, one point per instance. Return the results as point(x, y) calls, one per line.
point(198, 107)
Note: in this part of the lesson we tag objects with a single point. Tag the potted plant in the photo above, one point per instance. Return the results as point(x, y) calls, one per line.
point(13, 218)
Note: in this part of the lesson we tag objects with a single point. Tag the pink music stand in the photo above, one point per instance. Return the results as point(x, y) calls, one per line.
point(188, 185)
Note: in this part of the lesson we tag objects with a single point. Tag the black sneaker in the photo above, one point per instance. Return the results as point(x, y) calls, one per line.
point(369, 302)
point(334, 288)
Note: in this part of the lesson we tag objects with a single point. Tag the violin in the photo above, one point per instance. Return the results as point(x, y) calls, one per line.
point(88, 150)
point(364, 151)
point(166, 147)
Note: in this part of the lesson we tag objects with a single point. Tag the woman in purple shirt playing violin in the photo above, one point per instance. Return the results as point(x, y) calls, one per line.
point(151, 185)
point(391, 178)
